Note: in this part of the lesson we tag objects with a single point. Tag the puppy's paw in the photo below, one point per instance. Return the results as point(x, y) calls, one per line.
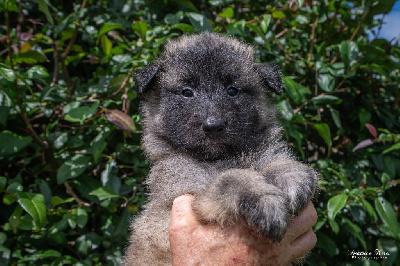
point(299, 193)
point(267, 212)
point(295, 179)
point(211, 210)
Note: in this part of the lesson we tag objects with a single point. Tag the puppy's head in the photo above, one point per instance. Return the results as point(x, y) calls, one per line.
point(207, 96)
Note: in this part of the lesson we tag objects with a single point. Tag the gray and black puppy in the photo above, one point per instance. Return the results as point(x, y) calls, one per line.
point(210, 130)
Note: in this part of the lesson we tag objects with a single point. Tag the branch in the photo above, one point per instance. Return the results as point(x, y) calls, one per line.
point(74, 35)
point(73, 194)
point(298, 109)
point(312, 41)
point(56, 57)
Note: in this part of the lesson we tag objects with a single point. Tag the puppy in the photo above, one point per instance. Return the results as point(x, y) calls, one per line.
point(210, 130)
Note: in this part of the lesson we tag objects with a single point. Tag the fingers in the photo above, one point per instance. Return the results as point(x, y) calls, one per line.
point(303, 244)
point(302, 223)
point(182, 215)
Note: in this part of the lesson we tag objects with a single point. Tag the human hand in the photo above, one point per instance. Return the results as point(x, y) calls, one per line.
point(194, 243)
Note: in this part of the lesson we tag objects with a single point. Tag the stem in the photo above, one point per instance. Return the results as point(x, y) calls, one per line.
point(312, 41)
point(73, 194)
point(28, 125)
point(74, 35)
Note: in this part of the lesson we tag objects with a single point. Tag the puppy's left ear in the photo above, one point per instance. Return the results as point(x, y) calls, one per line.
point(144, 76)
point(271, 76)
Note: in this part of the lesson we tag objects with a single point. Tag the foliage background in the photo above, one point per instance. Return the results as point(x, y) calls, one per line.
point(71, 166)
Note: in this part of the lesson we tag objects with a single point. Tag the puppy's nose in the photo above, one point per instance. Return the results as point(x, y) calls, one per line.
point(213, 126)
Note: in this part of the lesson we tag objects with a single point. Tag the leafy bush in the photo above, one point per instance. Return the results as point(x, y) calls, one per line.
point(72, 168)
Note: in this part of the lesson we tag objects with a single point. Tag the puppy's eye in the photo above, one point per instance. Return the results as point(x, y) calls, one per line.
point(232, 90)
point(187, 92)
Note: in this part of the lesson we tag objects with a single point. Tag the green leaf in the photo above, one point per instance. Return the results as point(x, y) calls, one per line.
point(326, 243)
point(98, 145)
point(35, 205)
point(325, 80)
point(45, 9)
point(5, 100)
point(30, 57)
point(56, 200)
point(187, 4)
point(356, 232)
point(3, 182)
point(334, 225)
point(117, 82)
point(343, 178)
point(60, 141)
point(37, 72)
point(278, 15)
point(109, 26)
point(395, 146)
point(286, 110)
point(299, 3)
point(227, 13)
point(336, 117)
point(7, 73)
point(11, 143)
point(323, 100)
point(104, 193)
point(387, 214)
point(324, 131)
point(237, 28)
point(364, 116)
point(140, 28)
point(292, 88)
point(106, 45)
point(183, 27)
point(80, 217)
point(173, 19)
point(369, 209)
point(390, 246)
point(265, 22)
point(82, 113)
point(349, 53)
point(72, 168)
point(199, 22)
point(335, 204)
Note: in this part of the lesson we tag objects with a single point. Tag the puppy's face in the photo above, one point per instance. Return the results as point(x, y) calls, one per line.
point(211, 101)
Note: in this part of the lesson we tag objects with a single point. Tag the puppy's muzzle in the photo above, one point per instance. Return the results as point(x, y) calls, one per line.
point(213, 127)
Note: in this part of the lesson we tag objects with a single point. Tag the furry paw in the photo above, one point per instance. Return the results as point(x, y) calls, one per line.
point(244, 195)
point(268, 213)
point(296, 180)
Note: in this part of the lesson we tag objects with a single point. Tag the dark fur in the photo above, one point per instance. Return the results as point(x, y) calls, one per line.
point(245, 172)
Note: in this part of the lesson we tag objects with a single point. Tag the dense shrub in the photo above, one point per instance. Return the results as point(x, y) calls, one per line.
point(71, 165)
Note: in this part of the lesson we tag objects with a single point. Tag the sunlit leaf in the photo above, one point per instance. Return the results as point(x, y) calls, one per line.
point(324, 131)
point(349, 53)
point(7, 73)
point(11, 143)
point(199, 22)
point(72, 168)
point(227, 13)
point(387, 214)
point(45, 9)
point(140, 28)
point(335, 204)
point(104, 193)
point(34, 204)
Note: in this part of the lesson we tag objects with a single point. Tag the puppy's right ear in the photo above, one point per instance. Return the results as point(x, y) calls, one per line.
point(144, 76)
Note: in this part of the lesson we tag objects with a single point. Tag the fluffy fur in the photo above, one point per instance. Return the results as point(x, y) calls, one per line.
point(210, 130)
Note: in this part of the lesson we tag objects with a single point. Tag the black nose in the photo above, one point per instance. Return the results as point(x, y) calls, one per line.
point(213, 126)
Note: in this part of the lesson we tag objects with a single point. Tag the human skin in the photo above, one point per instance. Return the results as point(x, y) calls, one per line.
point(196, 243)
